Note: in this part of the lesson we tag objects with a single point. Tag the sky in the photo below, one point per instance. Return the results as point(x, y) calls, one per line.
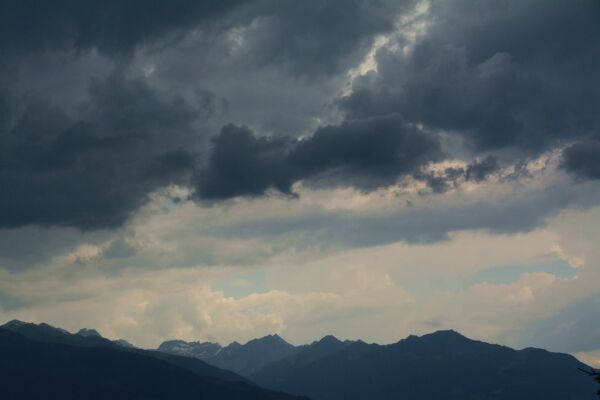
point(369, 169)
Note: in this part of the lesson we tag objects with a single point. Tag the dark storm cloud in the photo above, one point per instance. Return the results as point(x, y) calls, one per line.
point(308, 37)
point(583, 159)
point(93, 172)
point(89, 158)
point(112, 26)
point(242, 164)
point(503, 74)
point(320, 37)
point(366, 154)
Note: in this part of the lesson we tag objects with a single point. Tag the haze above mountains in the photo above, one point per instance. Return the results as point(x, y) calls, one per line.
point(443, 364)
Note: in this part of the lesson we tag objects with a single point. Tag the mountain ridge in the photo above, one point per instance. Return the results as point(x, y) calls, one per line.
point(41, 369)
point(442, 364)
point(48, 334)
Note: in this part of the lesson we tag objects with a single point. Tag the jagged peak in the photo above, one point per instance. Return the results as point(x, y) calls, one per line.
point(233, 345)
point(88, 332)
point(16, 323)
point(328, 339)
point(272, 339)
point(446, 333)
point(123, 343)
point(442, 335)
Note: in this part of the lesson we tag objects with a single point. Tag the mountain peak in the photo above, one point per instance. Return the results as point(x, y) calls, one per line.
point(447, 333)
point(443, 334)
point(123, 343)
point(15, 323)
point(19, 326)
point(329, 339)
point(87, 332)
point(201, 350)
point(271, 339)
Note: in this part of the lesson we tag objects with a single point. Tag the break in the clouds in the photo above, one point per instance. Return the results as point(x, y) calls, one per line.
point(234, 143)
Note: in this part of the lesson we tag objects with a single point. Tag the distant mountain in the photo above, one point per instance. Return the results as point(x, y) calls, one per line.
point(282, 370)
point(45, 370)
point(123, 343)
point(49, 334)
point(251, 357)
point(244, 359)
point(86, 332)
point(441, 365)
point(200, 350)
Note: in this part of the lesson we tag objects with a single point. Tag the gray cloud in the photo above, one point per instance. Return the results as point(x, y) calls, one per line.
point(369, 153)
point(112, 26)
point(93, 172)
point(242, 164)
point(87, 134)
point(89, 158)
point(323, 38)
point(583, 159)
point(500, 74)
point(517, 212)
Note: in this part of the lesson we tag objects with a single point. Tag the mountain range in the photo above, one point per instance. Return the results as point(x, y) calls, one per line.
point(243, 359)
point(41, 361)
point(443, 364)
point(44, 362)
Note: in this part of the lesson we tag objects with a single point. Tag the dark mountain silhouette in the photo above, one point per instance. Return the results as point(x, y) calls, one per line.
point(123, 343)
point(42, 370)
point(88, 332)
point(282, 370)
point(249, 358)
point(243, 359)
point(200, 350)
point(49, 334)
point(440, 365)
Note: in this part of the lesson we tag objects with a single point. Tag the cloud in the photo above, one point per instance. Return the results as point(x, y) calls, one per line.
point(148, 308)
point(574, 329)
point(407, 291)
point(241, 164)
point(473, 73)
point(504, 211)
point(301, 36)
point(581, 160)
point(94, 171)
point(94, 100)
point(477, 170)
point(368, 153)
point(112, 26)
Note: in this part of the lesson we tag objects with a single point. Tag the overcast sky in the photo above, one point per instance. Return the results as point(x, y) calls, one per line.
point(369, 169)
